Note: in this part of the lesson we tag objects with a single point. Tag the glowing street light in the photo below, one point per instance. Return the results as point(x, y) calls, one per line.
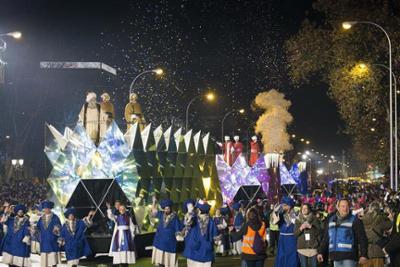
point(240, 111)
point(158, 72)
point(15, 35)
point(210, 97)
point(320, 171)
point(347, 25)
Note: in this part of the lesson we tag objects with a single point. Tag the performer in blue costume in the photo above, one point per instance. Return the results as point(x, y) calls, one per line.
point(238, 221)
point(16, 243)
point(34, 217)
point(72, 236)
point(122, 247)
point(164, 244)
point(222, 225)
point(199, 242)
point(284, 216)
point(49, 227)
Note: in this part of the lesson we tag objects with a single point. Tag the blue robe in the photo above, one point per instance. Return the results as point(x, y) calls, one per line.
point(49, 235)
point(200, 247)
point(12, 242)
point(238, 220)
point(287, 245)
point(164, 238)
point(123, 221)
point(76, 245)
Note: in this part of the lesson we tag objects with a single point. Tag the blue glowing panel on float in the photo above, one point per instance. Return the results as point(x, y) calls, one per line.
point(128, 178)
point(259, 171)
point(80, 148)
point(295, 173)
point(63, 179)
point(113, 150)
point(54, 143)
point(285, 176)
point(228, 189)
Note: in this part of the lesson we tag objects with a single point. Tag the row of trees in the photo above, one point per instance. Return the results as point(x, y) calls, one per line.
point(347, 62)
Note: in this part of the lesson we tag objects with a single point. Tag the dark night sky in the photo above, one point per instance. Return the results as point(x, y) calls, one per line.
point(232, 46)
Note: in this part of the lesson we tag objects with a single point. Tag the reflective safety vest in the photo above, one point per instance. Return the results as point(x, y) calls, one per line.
point(248, 239)
point(341, 236)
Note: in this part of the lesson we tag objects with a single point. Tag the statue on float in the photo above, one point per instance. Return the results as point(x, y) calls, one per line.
point(227, 150)
point(93, 118)
point(237, 148)
point(133, 112)
point(107, 106)
point(255, 150)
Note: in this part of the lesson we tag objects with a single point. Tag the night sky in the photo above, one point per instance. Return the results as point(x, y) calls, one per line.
point(234, 47)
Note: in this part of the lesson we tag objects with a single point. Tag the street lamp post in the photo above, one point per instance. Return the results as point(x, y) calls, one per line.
point(187, 111)
point(17, 165)
point(347, 25)
point(15, 35)
point(396, 165)
point(3, 47)
point(156, 71)
point(241, 111)
point(209, 97)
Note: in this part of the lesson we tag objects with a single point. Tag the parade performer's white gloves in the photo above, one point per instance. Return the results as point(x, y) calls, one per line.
point(27, 240)
point(219, 143)
point(179, 237)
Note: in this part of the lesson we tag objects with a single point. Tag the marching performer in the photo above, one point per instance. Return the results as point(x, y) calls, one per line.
point(49, 227)
point(33, 219)
point(133, 112)
point(254, 150)
point(164, 244)
point(188, 219)
point(222, 225)
point(122, 247)
point(16, 243)
point(72, 236)
point(238, 221)
point(199, 243)
point(285, 217)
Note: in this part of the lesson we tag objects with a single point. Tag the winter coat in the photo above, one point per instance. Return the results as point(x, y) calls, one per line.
point(375, 223)
point(314, 232)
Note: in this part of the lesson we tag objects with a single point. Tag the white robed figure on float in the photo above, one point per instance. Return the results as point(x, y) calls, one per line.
point(93, 118)
point(122, 247)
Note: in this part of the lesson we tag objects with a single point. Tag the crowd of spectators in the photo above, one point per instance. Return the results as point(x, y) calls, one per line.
point(24, 191)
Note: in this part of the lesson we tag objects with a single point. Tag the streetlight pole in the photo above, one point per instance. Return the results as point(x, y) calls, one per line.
point(241, 111)
point(222, 124)
point(396, 164)
point(187, 111)
point(156, 71)
point(347, 25)
point(209, 97)
point(3, 47)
